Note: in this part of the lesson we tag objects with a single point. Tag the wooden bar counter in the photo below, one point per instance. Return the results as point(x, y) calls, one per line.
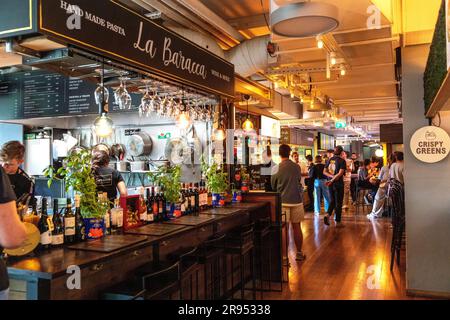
point(49, 275)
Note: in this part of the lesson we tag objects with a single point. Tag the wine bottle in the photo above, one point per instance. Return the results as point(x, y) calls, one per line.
point(45, 227)
point(196, 198)
point(155, 202)
point(118, 214)
point(69, 223)
point(161, 205)
point(58, 226)
point(80, 227)
point(143, 206)
point(150, 216)
point(182, 202)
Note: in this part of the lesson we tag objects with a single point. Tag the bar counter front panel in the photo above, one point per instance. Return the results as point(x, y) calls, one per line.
point(45, 276)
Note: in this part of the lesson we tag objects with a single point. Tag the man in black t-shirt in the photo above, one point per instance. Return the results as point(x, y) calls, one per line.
point(12, 231)
point(335, 169)
point(107, 179)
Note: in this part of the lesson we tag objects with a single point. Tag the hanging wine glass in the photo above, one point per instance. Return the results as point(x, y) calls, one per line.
point(101, 93)
point(177, 109)
point(120, 94)
point(162, 107)
point(126, 101)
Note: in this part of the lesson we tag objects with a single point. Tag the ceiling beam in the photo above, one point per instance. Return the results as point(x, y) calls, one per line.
point(366, 42)
point(248, 22)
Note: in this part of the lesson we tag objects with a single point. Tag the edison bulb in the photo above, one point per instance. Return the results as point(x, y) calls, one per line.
point(183, 120)
point(247, 125)
point(103, 126)
point(219, 134)
point(379, 153)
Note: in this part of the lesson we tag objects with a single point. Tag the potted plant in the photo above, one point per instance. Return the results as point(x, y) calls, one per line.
point(77, 174)
point(216, 182)
point(168, 177)
point(245, 179)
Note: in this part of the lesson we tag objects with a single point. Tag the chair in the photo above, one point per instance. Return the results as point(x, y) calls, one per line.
point(209, 255)
point(396, 194)
point(360, 202)
point(241, 243)
point(188, 260)
point(158, 284)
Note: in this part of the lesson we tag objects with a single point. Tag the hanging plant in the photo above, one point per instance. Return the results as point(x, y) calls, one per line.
point(77, 174)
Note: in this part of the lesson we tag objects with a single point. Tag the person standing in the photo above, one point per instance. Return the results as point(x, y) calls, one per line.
point(335, 169)
point(12, 231)
point(380, 197)
point(320, 189)
point(309, 181)
point(286, 181)
point(107, 179)
point(398, 168)
point(347, 179)
point(12, 156)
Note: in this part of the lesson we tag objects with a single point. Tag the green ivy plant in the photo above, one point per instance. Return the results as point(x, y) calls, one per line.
point(216, 179)
point(168, 177)
point(436, 69)
point(77, 174)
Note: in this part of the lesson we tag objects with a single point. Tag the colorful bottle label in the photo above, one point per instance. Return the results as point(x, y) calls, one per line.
point(57, 239)
point(69, 226)
point(46, 238)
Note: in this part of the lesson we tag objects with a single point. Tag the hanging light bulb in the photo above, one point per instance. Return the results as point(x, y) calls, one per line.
point(248, 124)
point(333, 60)
point(103, 126)
point(320, 43)
point(292, 95)
point(219, 134)
point(183, 120)
point(276, 85)
point(301, 99)
point(379, 153)
point(343, 71)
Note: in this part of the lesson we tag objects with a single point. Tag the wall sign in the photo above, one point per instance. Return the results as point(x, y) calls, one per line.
point(17, 17)
point(122, 34)
point(430, 144)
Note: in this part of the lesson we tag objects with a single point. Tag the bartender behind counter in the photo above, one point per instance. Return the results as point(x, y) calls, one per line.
point(107, 179)
point(12, 156)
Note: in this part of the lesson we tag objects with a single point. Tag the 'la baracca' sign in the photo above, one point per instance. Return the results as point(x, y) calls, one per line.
point(430, 144)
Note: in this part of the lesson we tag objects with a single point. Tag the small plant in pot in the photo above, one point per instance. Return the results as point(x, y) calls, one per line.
point(216, 182)
point(168, 177)
point(77, 174)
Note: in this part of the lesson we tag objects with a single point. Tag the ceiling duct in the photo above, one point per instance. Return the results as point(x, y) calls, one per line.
point(303, 19)
point(250, 56)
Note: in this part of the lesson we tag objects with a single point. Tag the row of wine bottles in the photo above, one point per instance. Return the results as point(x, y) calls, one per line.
point(64, 226)
point(193, 199)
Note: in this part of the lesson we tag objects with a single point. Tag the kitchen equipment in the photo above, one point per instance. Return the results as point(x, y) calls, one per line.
point(139, 144)
point(123, 166)
point(175, 151)
point(136, 166)
point(118, 151)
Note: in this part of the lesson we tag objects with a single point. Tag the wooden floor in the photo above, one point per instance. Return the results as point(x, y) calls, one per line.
point(348, 263)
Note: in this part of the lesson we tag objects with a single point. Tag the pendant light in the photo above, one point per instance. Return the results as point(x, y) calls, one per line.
point(103, 125)
point(183, 120)
point(219, 133)
point(248, 124)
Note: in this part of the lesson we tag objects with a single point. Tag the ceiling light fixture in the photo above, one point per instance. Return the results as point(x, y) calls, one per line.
point(343, 71)
point(103, 125)
point(333, 59)
point(303, 19)
point(248, 124)
point(320, 43)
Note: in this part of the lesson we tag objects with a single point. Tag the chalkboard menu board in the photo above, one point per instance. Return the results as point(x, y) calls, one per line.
point(39, 94)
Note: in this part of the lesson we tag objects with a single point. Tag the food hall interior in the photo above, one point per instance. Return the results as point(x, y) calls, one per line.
point(193, 102)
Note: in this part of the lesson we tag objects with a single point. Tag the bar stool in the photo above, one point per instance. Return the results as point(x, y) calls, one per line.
point(241, 243)
point(188, 260)
point(360, 203)
point(263, 246)
point(209, 255)
point(154, 285)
